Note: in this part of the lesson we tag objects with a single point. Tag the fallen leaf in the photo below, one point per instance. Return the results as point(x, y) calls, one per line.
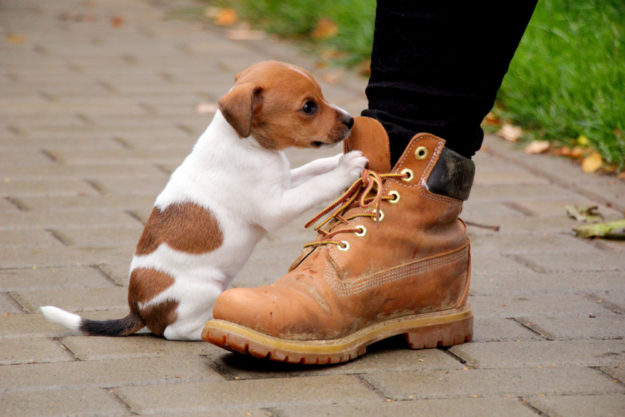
point(583, 214)
point(364, 68)
point(621, 176)
point(614, 230)
point(226, 17)
point(117, 21)
point(510, 132)
point(15, 38)
point(491, 119)
point(537, 146)
point(574, 153)
point(326, 28)
point(592, 163)
point(583, 140)
point(206, 108)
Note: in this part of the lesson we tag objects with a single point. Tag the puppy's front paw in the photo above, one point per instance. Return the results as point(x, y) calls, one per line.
point(352, 163)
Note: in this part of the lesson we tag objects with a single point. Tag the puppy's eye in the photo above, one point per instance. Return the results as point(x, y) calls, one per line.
point(310, 107)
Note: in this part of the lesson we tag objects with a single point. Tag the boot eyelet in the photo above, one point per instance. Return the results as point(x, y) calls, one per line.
point(363, 231)
point(381, 216)
point(344, 246)
point(421, 152)
point(408, 174)
point(395, 195)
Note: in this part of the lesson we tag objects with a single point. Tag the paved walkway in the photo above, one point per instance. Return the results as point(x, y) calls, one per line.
point(98, 105)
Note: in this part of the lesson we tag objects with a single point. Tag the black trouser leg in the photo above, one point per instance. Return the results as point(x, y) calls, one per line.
point(436, 67)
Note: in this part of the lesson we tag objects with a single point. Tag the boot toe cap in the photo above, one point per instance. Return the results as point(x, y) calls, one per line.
point(273, 310)
point(237, 305)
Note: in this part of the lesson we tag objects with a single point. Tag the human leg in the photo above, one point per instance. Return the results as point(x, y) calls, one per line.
point(436, 67)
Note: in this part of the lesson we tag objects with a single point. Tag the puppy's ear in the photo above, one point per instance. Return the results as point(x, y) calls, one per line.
point(239, 106)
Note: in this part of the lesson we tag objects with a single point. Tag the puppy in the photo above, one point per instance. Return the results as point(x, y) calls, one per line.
point(232, 189)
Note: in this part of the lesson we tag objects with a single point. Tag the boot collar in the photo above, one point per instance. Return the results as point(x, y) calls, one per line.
point(439, 168)
point(369, 136)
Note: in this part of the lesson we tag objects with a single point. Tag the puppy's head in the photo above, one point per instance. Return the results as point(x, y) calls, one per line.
point(281, 105)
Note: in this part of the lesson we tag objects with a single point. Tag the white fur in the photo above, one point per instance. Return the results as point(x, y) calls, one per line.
point(64, 318)
point(250, 190)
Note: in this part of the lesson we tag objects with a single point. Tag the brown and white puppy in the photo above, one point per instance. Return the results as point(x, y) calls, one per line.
point(235, 186)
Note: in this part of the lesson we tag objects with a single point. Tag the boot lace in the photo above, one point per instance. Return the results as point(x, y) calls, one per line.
point(365, 192)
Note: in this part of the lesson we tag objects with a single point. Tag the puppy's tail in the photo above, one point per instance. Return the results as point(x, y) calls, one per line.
point(130, 324)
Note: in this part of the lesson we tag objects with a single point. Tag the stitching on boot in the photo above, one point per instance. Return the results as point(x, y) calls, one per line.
point(408, 270)
point(428, 167)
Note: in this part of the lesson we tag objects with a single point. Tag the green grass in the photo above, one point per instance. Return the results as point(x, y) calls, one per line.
point(567, 78)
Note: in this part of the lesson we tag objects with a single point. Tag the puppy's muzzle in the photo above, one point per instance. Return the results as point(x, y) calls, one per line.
point(348, 121)
point(339, 132)
point(345, 128)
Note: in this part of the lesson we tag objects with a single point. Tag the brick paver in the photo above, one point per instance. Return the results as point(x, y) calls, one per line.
point(97, 107)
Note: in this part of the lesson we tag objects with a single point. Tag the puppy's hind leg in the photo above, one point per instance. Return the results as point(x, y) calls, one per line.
point(192, 313)
point(188, 327)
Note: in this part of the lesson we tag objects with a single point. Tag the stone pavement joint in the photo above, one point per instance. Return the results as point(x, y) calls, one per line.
point(94, 117)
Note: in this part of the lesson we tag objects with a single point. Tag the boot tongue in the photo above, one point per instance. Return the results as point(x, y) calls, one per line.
point(369, 136)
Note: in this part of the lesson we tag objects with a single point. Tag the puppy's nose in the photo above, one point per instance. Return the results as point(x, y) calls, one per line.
point(348, 121)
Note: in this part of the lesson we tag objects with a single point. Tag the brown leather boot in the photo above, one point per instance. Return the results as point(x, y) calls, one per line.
point(391, 258)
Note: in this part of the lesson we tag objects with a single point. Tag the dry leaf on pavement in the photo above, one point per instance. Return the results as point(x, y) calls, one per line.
point(592, 163)
point(510, 132)
point(613, 230)
point(326, 28)
point(537, 146)
point(226, 17)
point(583, 214)
point(117, 21)
point(15, 38)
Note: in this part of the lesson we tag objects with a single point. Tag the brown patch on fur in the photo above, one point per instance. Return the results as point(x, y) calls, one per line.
point(159, 316)
point(266, 102)
point(186, 227)
point(145, 284)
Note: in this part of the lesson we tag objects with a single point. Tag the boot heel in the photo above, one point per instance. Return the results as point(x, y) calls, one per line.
point(444, 334)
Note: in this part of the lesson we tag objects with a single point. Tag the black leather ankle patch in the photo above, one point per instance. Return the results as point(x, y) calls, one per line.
point(452, 175)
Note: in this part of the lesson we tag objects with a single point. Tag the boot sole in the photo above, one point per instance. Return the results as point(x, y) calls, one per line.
point(444, 328)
